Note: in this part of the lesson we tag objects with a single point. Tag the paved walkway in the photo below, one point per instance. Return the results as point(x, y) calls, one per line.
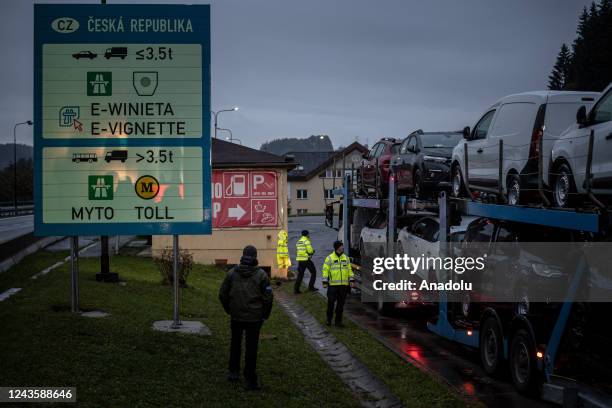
point(370, 391)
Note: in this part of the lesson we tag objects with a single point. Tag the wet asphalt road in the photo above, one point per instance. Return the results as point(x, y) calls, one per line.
point(406, 333)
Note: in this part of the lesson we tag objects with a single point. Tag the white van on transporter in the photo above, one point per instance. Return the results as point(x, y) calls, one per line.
point(570, 153)
point(523, 124)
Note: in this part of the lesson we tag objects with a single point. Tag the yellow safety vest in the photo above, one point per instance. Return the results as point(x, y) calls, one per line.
point(304, 249)
point(337, 270)
point(282, 251)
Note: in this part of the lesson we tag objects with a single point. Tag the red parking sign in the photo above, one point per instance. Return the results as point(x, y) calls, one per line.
point(263, 184)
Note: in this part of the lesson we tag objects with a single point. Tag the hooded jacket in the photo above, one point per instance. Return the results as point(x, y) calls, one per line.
point(246, 294)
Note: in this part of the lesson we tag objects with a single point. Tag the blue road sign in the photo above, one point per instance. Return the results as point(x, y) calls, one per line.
point(122, 119)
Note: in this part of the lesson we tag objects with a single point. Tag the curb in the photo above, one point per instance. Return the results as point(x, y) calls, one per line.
point(16, 258)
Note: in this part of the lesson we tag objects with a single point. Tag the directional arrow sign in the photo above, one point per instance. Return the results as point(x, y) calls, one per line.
point(236, 212)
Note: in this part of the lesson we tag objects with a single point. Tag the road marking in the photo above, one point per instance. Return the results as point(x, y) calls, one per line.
point(60, 263)
point(7, 294)
point(47, 270)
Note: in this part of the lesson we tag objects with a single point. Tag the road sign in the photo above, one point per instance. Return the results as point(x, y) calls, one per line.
point(244, 199)
point(122, 120)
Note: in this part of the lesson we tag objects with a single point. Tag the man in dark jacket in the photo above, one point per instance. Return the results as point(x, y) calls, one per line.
point(246, 295)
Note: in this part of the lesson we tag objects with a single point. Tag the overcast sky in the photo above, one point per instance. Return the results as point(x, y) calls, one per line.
point(346, 68)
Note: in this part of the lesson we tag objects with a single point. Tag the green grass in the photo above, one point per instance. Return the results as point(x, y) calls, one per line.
point(413, 387)
point(120, 361)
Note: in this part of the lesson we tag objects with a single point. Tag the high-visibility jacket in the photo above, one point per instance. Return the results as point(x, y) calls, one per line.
point(282, 251)
point(337, 270)
point(304, 249)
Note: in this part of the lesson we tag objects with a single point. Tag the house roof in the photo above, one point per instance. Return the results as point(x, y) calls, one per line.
point(232, 155)
point(312, 168)
point(307, 161)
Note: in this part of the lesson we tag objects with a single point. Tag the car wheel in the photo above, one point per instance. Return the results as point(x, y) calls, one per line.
point(491, 346)
point(458, 186)
point(78, 160)
point(465, 305)
point(418, 188)
point(90, 161)
point(522, 362)
point(514, 189)
point(564, 186)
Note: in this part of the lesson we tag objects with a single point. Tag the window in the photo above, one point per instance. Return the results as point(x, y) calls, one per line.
point(299, 167)
point(328, 193)
point(329, 173)
point(481, 231)
point(376, 150)
point(379, 221)
point(372, 152)
point(482, 127)
point(603, 110)
point(513, 119)
point(412, 144)
point(302, 194)
point(427, 229)
point(395, 149)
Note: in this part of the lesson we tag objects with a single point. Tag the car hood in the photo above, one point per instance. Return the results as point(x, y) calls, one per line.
point(438, 151)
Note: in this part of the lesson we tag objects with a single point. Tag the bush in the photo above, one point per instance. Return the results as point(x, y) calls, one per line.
point(165, 263)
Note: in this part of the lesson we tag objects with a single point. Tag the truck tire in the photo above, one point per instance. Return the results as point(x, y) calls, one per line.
point(523, 368)
point(491, 346)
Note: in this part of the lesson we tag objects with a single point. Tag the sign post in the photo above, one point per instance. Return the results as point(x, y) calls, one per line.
point(122, 122)
point(74, 274)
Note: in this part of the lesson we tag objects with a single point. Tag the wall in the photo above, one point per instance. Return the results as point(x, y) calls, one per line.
point(315, 204)
point(227, 244)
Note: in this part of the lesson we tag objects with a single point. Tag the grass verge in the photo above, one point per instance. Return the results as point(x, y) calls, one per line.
point(120, 361)
point(412, 386)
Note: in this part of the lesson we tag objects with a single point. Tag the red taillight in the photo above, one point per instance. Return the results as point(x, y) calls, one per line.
point(536, 138)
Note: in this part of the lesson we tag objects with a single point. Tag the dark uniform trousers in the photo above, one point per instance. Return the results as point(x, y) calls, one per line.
point(251, 330)
point(302, 266)
point(336, 294)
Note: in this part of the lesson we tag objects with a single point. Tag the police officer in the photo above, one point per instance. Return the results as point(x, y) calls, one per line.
point(282, 253)
point(338, 279)
point(304, 254)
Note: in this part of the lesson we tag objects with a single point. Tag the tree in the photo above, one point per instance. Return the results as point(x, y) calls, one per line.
point(559, 77)
point(587, 66)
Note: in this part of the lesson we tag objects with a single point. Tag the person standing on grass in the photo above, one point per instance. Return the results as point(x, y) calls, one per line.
point(282, 253)
point(246, 295)
point(304, 254)
point(338, 279)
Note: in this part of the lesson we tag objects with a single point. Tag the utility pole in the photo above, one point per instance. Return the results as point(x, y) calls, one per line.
point(29, 123)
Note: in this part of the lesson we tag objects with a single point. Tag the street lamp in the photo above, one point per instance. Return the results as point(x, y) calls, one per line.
point(29, 123)
point(231, 137)
point(235, 108)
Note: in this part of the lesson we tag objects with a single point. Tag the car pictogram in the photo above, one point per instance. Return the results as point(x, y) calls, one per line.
point(84, 54)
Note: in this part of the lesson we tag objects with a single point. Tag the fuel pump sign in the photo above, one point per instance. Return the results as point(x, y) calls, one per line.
point(122, 120)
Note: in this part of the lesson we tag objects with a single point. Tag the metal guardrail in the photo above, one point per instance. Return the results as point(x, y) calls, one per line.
point(6, 212)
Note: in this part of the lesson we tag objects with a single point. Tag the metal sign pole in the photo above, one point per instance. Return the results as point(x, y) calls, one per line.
point(176, 323)
point(74, 268)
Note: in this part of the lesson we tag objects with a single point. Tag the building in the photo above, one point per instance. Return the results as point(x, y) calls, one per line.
point(249, 200)
point(317, 174)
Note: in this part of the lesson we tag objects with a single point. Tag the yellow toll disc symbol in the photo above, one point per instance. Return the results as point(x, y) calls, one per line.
point(146, 187)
